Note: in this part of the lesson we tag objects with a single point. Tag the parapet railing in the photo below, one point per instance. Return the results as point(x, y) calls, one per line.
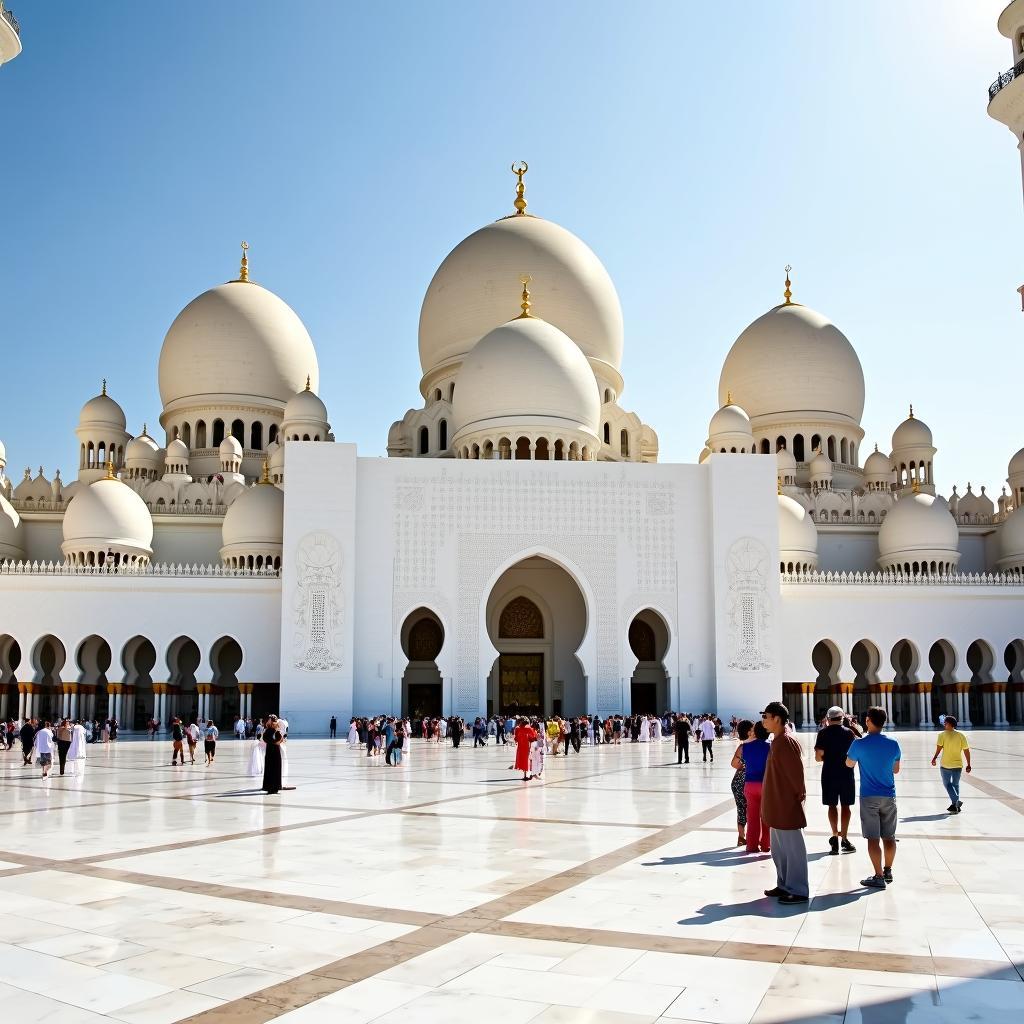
point(9, 17)
point(156, 508)
point(1005, 79)
point(158, 569)
point(900, 579)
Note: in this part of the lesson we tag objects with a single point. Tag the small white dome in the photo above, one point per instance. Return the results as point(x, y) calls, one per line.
point(912, 433)
point(12, 533)
point(918, 528)
point(102, 411)
point(254, 520)
point(878, 465)
point(786, 462)
point(230, 447)
point(798, 536)
point(704, 456)
point(1011, 541)
point(142, 449)
point(107, 515)
point(276, 455)
point(730, 419)
point(792, 359)
point(821, 464)
point(469, 295)
point(177, 451)
point(305, 406)
point(236, 339)
point(1015, 468)
point(522, 374)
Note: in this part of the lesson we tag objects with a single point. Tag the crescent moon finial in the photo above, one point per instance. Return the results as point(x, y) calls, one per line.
point(519, 168)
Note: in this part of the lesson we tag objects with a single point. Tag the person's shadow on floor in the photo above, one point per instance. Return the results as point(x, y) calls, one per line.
point(726, 857)
point(715, 913)
point(926, 817)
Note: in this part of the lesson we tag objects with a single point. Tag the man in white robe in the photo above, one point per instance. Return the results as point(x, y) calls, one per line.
point(76, 752)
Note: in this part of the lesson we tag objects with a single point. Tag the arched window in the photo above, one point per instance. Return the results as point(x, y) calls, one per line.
point(238, 431)
point(523, 448)
point(766, 446)
point(607, 395)
point(832, 449)
point(186, 434)
point(218, 432)
point(798, 447)
point(451, 391)
point(256, 437)
point(272, 433)
point(200, 433)
point(442, 435)
point(521, 620)
point(815, 443)
point(607, 433)
point(424, 440)
point(624, 444)
point(843, 451)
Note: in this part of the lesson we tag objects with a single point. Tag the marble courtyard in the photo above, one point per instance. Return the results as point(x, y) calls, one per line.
point(446, 890)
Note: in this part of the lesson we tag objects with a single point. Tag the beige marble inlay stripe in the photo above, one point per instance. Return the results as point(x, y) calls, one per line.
point(1015, 803)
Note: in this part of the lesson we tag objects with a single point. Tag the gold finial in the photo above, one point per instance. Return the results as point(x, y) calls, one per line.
point(728, 398)
point(110, 470)
point(913, 485)
point(780, 486)
point(788, 293)
point(876, 446)
point(525, 304)
point(519, 168)
point(144, 434)
point(243, 273)
point(307, 381)
point(266, 473)
point(911, 410)
point(103, 389)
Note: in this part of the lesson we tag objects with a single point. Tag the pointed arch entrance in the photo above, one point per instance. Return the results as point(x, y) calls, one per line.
point(648, 640)
point(536, 619)
point(422, 687)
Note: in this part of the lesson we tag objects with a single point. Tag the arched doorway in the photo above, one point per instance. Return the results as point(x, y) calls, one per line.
point(904, 660)
point(10, 659)
point(536, 620)
point(942, 662)
point(138, 660)
point(422, 688)
point(1013, 658)
point(183, 658)
point(648, 640)
point(94, 658)
point(865, 660)
point(826, 659)
point(980, 660)
point(48, 657)
point(222, 703)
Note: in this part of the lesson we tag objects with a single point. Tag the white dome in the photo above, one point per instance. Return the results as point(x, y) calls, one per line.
point(730, 419)
point(142, 449)
point(12, 533)
point(275, 452)
point(704, 456)
point(230, 447)
point(3, 453)
point(1011, 540)
point(912, 433)
point(255, 519)
point(473, 291)
point(877, 464)
point(821, 464)
point(236, 339)
point(102, 411)
point(305, 406)
point(107, 514)
point(798, 536)
point(918, 527)
point(1015, 468)
point(792, 359)
point(523, 373)
point(177, 451)
point(786, 462)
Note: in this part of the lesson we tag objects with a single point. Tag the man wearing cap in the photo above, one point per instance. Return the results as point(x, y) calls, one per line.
point(782, 807)
point(838, 785)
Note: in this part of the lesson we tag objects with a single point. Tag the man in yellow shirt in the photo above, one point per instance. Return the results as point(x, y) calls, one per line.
point(954, 748)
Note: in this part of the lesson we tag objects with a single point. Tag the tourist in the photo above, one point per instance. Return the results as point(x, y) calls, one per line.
point(76, 753)
point(754, 753)
point(63, 739)
point(210, 735)
point(537, 752)
point(954, 748)
point(239, 728)
point(353, 733)
point(738, 781)
point(879, 760)
point(707, 738)
point(782, 807)
point(257, 753)
point(192, 739)
point(500, 730)
point(524, 737)
point(272, 774)
point(681, 730)
point(334, 727)
point(573, 735)
point(43, 745)
point(838, 786)
point(177, 737)
point(27, 737)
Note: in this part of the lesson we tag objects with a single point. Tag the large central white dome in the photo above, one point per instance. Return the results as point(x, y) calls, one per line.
point(469, 294)
point(793, 360)
point(236, 339)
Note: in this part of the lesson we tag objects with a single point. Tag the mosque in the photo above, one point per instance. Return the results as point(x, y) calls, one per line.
point(241, 559)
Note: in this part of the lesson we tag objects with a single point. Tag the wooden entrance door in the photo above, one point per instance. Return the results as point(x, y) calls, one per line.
point(521, 684)
point(424, 700)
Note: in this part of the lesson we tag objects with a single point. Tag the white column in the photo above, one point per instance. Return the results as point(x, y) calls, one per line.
point(241, 704)
point(887, 704)
point(807, 701)
point(74, 705)
point(848, 702)
point(30, 705)
point(22, 715)
point(110, 704)
point(1018, 706)
point(248, 704)
point(924, 718)
point(965, 710)
point(204, 707)
point(3, 702)
point(1001, 709)
point(160, 713)
point(65, 703)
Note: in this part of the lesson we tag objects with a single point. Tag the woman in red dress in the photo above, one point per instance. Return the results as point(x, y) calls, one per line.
point(524, 737)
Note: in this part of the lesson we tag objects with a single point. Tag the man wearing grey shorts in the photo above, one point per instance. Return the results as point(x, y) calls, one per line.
point(879, 760)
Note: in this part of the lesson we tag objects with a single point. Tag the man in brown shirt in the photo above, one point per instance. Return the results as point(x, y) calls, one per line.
point(782, 807)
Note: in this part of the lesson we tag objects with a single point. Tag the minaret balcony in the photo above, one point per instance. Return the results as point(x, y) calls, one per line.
point(10, 35)
point(1006, 98)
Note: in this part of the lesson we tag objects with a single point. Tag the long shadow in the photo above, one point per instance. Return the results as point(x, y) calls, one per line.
point(715, 913)
point(728, 856)
point(241, 792)
point(927, 817)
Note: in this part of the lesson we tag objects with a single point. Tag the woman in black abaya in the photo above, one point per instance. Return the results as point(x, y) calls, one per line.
point(272, 758)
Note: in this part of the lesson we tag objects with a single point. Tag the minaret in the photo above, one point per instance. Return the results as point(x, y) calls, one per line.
point(10, 35)
point(1006, 93)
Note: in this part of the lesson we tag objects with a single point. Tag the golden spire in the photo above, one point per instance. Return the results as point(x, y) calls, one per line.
point(243, 273)
point(144, 434)
point(911, 410)
point(266, 473)
point(103, 389)
point(110, 470)
point(788, 293)
point(728, 398)
point(876, 446)
point(525, 304)
point(913, 485)
point(307, 381)
point(519, 168)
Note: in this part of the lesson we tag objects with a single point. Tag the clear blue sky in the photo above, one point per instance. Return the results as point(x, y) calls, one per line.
point(696, 147)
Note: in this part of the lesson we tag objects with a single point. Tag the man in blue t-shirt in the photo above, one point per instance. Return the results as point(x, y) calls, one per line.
point(879, 760)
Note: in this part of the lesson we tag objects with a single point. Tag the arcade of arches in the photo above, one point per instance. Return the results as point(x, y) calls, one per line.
point(47, 682)
point(915, 682)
